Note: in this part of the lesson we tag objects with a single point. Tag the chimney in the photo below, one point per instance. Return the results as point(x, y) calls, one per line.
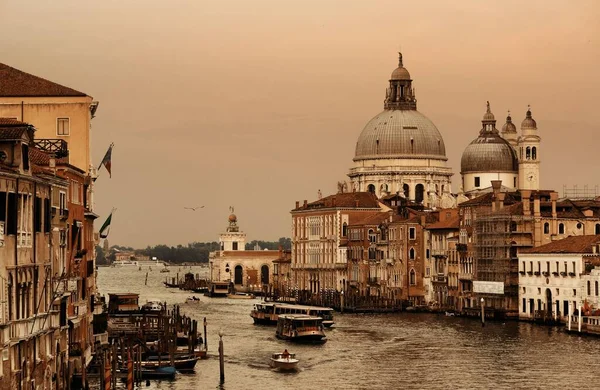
point(496, 185)
point(501, 196)
point(553, 199)
point(536, 207)
point(525, 195)
point(305, 203)
point(423, 219)
point(297, 203)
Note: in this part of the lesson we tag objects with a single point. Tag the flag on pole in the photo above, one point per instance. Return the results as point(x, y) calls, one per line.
point(106, 161)
point(105, 229)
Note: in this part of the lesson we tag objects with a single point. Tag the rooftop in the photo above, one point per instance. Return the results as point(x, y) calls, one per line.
point(571, 244)
point(16, 83)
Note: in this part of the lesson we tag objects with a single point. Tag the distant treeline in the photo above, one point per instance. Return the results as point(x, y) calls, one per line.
point(196, 252)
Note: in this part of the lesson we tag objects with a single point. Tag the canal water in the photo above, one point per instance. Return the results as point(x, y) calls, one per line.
point(395, 351)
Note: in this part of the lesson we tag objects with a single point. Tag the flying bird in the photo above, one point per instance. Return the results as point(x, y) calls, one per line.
point(194, 208)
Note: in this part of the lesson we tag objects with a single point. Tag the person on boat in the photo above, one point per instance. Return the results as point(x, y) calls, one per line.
point(285, 354)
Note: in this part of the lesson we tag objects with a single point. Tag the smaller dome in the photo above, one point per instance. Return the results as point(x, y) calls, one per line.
point(400, 73)
point(232, 218)
point(509, 126)
point(528, 122)
point(488, 116)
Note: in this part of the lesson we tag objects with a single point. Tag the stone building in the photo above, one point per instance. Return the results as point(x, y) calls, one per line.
point(559, 277)
point(33, 314)
point(62, 120)
point(246, 270)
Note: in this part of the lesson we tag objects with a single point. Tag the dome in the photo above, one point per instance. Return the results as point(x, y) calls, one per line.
point(489, 153)
point(528, 122)
point(509, 126)
point(400, 134)
point(400, 73)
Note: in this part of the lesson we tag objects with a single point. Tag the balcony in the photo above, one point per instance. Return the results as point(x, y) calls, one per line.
point(439, 279)
point(27, 328)
point(373, 281)
point(101, 339)
point(57, 147)
point(64, 213)
point(465, 276)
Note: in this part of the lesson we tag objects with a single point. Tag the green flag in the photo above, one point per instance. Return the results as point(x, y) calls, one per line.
point(106, 226)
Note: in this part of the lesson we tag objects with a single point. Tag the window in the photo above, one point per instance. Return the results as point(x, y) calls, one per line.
point(372, 236)
point(546, 228)
point(37, 215)
point(533, 153)
point(234, 245)
point(25, 208)
point(419, 193)
point(561, 228)
point(524, 305)
point(412, 232)
point(515, 182)
point(62, 200)
point(411, 254)
point(345, 230)
point(598, 228)
point(412, 277)
point(427, 253)
point(25, 156)
point(513, 226)
point(528, 153)
point(62, 126)
point(371, 188)
point(596, 285)
point(75, 192)
point(477, 181)
point(588, 287)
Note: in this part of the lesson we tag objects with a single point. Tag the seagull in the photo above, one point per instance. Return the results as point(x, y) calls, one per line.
point(194, 208)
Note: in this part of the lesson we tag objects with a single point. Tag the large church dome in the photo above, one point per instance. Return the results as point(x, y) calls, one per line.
point(489, 152)
point(400, 134)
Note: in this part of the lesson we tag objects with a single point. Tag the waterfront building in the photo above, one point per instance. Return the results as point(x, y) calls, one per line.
point(33, 309)
point(62, 119)
point(441, 268)
point(243, 269)
point(559, 277)
point(282, 272)
point(401, 151)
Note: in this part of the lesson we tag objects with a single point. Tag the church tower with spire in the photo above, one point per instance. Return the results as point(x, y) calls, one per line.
point(529, 154)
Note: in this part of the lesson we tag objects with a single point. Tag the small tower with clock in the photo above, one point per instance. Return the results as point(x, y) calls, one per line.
point(528, 149)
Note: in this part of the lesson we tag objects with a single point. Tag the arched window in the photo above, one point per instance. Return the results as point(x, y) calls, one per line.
point(371, 188)
point(372, 236)
point(533, 153)
point(345, 230)
point(411, 253)
point(598, 228)
point(561, 228)
point(239, 275)
point(546, 228)
point(413, 278)
point(419, 193)
point(513, 226)
point(406, 190)
point(264, 274)
point(528, 153)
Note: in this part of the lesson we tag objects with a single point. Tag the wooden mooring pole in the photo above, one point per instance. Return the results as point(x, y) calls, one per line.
point(221, 357)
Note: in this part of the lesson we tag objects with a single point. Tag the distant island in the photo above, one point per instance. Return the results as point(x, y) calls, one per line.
point(195, 252)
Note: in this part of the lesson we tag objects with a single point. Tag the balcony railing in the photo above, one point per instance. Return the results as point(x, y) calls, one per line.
point(465, 276)
point(58, 147)
point(25, 328)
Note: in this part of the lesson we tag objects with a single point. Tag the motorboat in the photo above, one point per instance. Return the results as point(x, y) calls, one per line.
point(153, 305)
point(301, 328)
point(241, 295)
point(267, 313)
point(284, 362)
point(167, 372)
point(165, 270)
point(192, 299)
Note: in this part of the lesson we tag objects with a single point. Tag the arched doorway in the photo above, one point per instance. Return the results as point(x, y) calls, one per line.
point(419, 193)
point(239, 275)
point(548, 302)
point(371, 188)
point(264, 274)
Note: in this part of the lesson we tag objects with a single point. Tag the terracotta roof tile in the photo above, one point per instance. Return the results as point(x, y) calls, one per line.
point(16, 83)
point(450, 223)
point(571, 244)
point(344, 200)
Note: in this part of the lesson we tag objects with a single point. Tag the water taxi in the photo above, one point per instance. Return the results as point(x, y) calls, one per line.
point(241, 295)
point(268, 313)
point(284, 362)
point(300, 328)
point(217, 289)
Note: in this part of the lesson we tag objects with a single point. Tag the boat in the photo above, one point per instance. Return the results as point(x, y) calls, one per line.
point(267, 313)
point(125, 263)
point(153, 305)
point(284, 362)
point(167, 372)
point(217, 289)
point(300, 328)
point(241, 295)
point(450, 314)
point(181, 362)
point(192, 300)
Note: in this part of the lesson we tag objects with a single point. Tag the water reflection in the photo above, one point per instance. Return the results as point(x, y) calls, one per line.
point(372, 351)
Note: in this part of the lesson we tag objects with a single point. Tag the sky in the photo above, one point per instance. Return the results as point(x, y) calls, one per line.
point(258, 104)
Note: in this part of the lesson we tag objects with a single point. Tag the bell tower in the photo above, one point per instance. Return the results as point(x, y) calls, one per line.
point(529, 154)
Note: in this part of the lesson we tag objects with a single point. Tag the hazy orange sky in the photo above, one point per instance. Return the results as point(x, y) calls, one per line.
point(257, 104)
